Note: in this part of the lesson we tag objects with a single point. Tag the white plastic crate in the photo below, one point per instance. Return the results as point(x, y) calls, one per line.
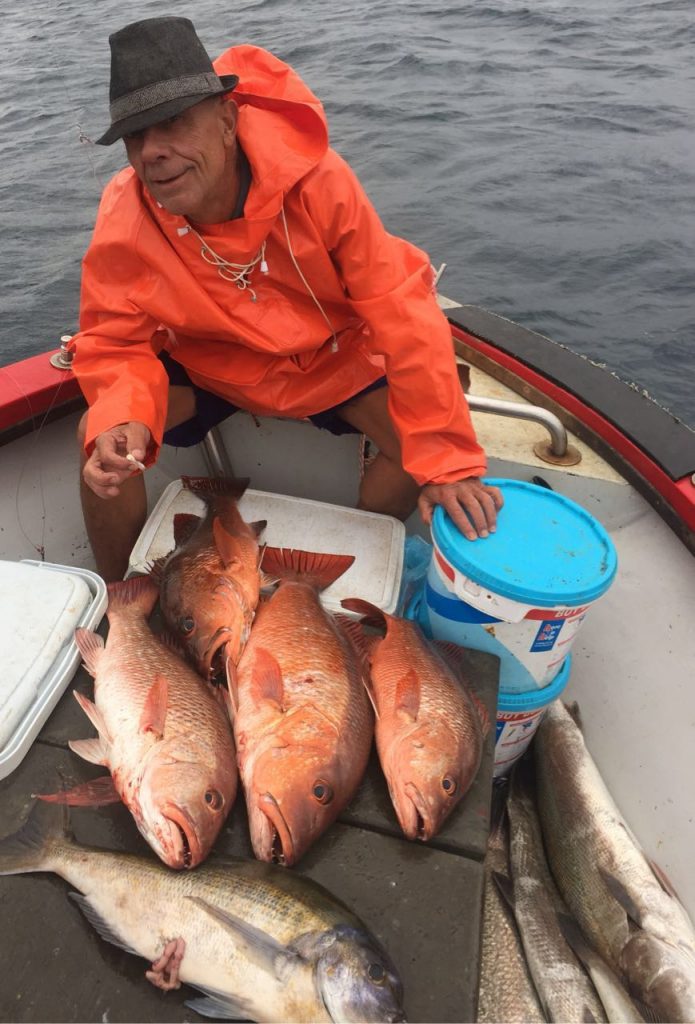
point(41, 605)
point(376, 541)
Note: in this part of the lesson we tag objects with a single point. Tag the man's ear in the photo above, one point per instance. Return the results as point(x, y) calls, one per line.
point(229, 117)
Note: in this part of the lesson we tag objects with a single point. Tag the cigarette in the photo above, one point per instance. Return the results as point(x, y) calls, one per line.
point(138, 465)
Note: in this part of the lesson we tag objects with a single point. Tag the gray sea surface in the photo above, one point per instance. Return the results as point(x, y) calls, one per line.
point(545, 152)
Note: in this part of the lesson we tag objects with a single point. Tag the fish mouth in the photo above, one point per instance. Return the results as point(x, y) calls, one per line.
point(280, 849)
point(416, 820)
point(187, 849)
point(213, 657)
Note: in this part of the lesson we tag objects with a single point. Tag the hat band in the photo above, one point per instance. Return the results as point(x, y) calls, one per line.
point(161, 92)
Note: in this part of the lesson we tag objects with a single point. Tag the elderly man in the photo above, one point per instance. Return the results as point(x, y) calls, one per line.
point(238, 264)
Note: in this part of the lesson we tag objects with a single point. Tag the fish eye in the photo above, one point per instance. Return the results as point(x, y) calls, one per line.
point(214, 799)
point(323, 792)
point(186, 624)
point(449, 785)
point(376, 973)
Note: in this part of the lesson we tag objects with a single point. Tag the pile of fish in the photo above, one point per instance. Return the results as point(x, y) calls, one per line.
point(579, 925)
point(273, 689)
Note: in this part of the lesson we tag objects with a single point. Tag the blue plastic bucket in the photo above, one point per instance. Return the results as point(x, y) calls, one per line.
point(518, 717)
point(523, 592)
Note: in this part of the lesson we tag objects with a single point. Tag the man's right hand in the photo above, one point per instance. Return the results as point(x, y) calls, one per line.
point(107, 467)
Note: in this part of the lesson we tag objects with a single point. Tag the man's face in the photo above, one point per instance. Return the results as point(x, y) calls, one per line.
point(188, 161)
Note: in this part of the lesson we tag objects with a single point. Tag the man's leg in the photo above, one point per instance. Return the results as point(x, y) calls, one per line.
point(385, 487)
point(113, 524)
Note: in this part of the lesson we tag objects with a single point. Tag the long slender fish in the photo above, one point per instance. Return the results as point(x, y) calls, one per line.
point(260, 943)
point(623, 903)
point(210, 582)
point(564, 989)
point(506, 991)
point(163, 735)
point(302, 719)
point(429, 725)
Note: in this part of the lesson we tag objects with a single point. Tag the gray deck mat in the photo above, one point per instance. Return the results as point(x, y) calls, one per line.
point(423, 902)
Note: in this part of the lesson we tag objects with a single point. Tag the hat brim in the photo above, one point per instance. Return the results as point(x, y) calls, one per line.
point(163, 111)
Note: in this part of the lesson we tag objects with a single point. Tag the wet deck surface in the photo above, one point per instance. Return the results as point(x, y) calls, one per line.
point(422, 902)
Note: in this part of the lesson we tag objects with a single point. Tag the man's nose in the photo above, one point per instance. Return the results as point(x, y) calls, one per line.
point(154, 143)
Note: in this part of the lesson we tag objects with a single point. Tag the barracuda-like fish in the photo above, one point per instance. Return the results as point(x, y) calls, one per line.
point(260, 943)
point(429, 726)
point(163, 735)
point(564, 989)
point(623, 903)
point(302, 720)
point(210, 583)
point(506, 991)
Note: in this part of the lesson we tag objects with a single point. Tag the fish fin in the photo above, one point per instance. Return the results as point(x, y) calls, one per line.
point(93, 750)
point(408, 695)
point(222, 1007)
point(266, 678)
point(155, 569)
point(185, 525)
point(138, 592)
point(372, 616)
point(506, 889)
point(481, 710)
point(258, 526)
point(26, 849)
point(663, 879)
point(91, 646)
point(93, 714)
point(154, 714)
point(97, 793)
point(362, 643)
point(316, 569)
point(622, 896)
point(99, 924)
point(207, 487)
point(227, 545)
point(574, 938)
point(266, 951)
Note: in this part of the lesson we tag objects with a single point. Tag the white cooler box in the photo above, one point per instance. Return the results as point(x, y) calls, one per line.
point(376, 541)
point(41, 605)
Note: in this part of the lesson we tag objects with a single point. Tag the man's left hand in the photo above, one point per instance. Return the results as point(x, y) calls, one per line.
point(471, 504)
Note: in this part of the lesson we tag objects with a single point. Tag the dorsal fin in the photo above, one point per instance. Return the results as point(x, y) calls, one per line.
point(312, 567)
point(372, 616)
point(138, 592)
point(185, 525)
point(91, 647)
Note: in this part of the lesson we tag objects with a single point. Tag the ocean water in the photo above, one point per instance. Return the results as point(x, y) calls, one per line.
point(545, 152)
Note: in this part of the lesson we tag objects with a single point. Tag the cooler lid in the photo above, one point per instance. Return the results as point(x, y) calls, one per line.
point(41, 604)
point(547, 549)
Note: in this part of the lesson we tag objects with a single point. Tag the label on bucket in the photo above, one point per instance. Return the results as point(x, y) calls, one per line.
point(514, 732)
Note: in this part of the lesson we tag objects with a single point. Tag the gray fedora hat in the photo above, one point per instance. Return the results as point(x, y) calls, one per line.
point(159, 67)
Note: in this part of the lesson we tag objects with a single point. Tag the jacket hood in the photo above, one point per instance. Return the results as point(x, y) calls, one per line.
point(282, 126)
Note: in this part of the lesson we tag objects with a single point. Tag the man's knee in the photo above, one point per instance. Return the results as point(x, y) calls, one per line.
point(370, 415)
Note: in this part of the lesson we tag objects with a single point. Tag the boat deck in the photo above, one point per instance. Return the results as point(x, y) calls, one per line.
point(422, 901)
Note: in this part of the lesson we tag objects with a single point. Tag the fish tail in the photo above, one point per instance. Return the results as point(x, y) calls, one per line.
point(138, 593)
point(207, 488)
point(372, 616)
point(311, 567)
point(27, 849)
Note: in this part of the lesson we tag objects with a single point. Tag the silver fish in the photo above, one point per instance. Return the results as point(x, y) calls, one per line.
point(261, 943)
point(565, 990)
point(622, 902)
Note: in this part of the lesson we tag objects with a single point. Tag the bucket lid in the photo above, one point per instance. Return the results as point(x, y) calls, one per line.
point(547, 549)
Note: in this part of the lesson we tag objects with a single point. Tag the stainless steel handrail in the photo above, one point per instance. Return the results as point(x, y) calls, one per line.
point(559, 448)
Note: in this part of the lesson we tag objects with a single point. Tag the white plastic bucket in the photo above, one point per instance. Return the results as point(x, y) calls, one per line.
point(522, 593)
point(518, 718)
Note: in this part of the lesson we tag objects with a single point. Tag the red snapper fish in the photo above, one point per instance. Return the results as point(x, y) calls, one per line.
point(429, 726)
point(302, 720)
point(163, 734)
point(210, 583)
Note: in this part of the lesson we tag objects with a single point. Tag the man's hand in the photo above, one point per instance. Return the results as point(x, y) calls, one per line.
point(107, 467)
point(470, 496)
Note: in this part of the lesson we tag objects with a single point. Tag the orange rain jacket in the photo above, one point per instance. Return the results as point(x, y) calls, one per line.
point(146, 286)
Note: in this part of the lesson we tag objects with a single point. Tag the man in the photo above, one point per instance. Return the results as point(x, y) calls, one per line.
point(237, 263)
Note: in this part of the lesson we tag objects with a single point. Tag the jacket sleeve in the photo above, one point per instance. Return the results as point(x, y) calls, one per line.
point(115, 362)
point(389, 283)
